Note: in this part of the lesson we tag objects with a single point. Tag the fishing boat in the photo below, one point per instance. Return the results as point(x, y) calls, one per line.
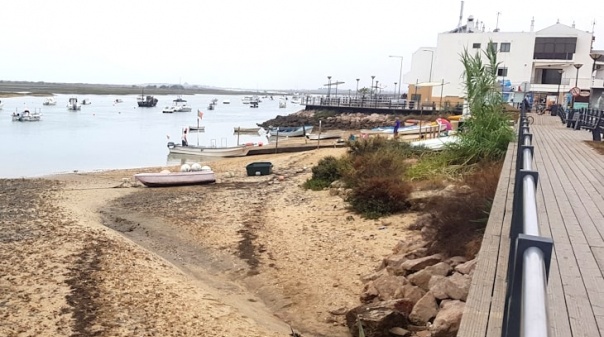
point(26, 116)
point(146, 101)
point(233, 151)
point(323, 135)
point(73, 104)
point(296, 131)
point(239, 129)
point(166, 179)
point(50, 101)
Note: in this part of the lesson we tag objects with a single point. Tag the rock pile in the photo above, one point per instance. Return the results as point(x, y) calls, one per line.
point(413, 294)
point(341, 121)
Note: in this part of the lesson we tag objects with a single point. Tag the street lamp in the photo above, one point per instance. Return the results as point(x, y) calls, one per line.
point(357, 93)
point(400, 74)
point(328, 86)
point(394, 92)
point(577, 66)
point(595, 57)
point(560, 71)
point(431, 62)
point(372, 77)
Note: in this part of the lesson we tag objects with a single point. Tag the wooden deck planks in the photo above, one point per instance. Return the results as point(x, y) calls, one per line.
point(570, 205)
point(567, 180)
point(477, 313)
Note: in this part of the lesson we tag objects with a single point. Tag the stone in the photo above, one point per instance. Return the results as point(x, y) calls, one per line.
point(373, 276)
point(376, 318)
point(387, 285)
point(467, 267)
point(421, 263)
point(455, 287)
point(399, 332)
point(424, 310)
point(422, 278)
point(448, 319)
point(456, 260)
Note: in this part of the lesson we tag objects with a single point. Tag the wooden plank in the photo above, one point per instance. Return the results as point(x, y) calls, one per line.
point(571, 228)
point(478, 305)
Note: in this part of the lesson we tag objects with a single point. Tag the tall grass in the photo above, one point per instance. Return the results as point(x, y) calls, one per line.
point(486, 133)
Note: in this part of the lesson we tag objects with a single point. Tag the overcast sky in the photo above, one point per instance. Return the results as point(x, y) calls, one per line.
point(261, 44)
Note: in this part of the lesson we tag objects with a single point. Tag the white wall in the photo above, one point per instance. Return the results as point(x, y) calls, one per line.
point(519, 61)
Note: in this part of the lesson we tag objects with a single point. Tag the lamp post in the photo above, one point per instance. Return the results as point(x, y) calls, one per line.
point(328, 86)
point(595, 57)
point(357, 92)
point(372, 77)
point(394, 92)
point(560, 71)
point(400, 74)
point(431, 62)
point(577, 66)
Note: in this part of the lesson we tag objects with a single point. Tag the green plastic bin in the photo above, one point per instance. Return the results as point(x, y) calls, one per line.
point(260, 168)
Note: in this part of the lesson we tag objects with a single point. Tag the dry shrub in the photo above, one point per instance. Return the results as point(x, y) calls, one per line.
point(379, 196)
point(459, 219)
point(376, 179)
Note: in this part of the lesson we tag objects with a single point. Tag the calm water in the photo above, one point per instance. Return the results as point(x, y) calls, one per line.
point(105, 135)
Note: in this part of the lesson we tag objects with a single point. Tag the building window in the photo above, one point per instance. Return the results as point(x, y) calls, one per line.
point(551, 76)
point(503, 72)
point(492, 45)
point(555, 48)
point(505, 47)
point(476, 45)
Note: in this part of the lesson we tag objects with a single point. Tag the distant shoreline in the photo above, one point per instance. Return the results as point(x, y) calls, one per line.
point(17, 89)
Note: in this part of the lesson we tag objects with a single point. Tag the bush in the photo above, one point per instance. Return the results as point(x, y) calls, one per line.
point(376, 179)
point(379, 196)
point(326, 172)
point(459, 219)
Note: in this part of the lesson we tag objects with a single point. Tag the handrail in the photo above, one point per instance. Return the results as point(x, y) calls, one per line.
point(526, 311)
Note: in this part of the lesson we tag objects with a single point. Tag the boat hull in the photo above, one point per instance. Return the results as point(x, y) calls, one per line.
point(291, 131)
point(316, 136)
point(235, 151)
point(176, 178)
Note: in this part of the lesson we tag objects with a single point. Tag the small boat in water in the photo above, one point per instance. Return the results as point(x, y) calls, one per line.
point(166, 179)
point(226, 101)
point(26, 116)
point(86, 102)
point(146, 101)
point(73, 104)
point(50, 101)
point(234, 151)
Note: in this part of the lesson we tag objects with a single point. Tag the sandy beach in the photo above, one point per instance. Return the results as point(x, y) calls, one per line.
point(94, 254)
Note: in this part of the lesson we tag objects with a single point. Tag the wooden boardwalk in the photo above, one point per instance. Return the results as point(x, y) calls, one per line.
point(570, 205)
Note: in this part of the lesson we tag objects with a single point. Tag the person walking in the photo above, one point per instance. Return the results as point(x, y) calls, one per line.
point(397, 125)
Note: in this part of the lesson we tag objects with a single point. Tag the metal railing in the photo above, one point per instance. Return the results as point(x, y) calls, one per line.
point(380, 102)
point(526, 312)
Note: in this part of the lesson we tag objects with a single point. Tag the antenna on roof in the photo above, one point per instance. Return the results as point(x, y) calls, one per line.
point(533, 24)
point(593, 26)
point(497, 22)
point(460, 16)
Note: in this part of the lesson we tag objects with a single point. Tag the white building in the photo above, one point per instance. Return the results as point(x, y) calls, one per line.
point(536, 61)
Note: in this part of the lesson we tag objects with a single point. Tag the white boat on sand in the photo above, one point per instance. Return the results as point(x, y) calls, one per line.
point(233, 151)
point(437, 143)
point(296, 131)
point(323, 135)
point(176, 178)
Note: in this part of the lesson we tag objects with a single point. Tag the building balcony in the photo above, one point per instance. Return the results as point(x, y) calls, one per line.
point(549, 88)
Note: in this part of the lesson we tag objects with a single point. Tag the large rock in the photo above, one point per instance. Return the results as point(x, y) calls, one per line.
point(455, 287)
point(422, 277)
point(446, 323)
point(456, 260)
point(466, 268)
point(421, 263)
point(387, 286)
point(410, 292)
point(377, 319)
point(424, 310)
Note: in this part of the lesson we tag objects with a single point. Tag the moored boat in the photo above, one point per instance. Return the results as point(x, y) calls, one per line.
point(233, 151)
point(200, 128)
point(73, 104)
point(323, 135)
point(146, 101)
point(239, 129)
point(296, 131)
point(26, 116)
point(176, 178)
point(50, 101)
